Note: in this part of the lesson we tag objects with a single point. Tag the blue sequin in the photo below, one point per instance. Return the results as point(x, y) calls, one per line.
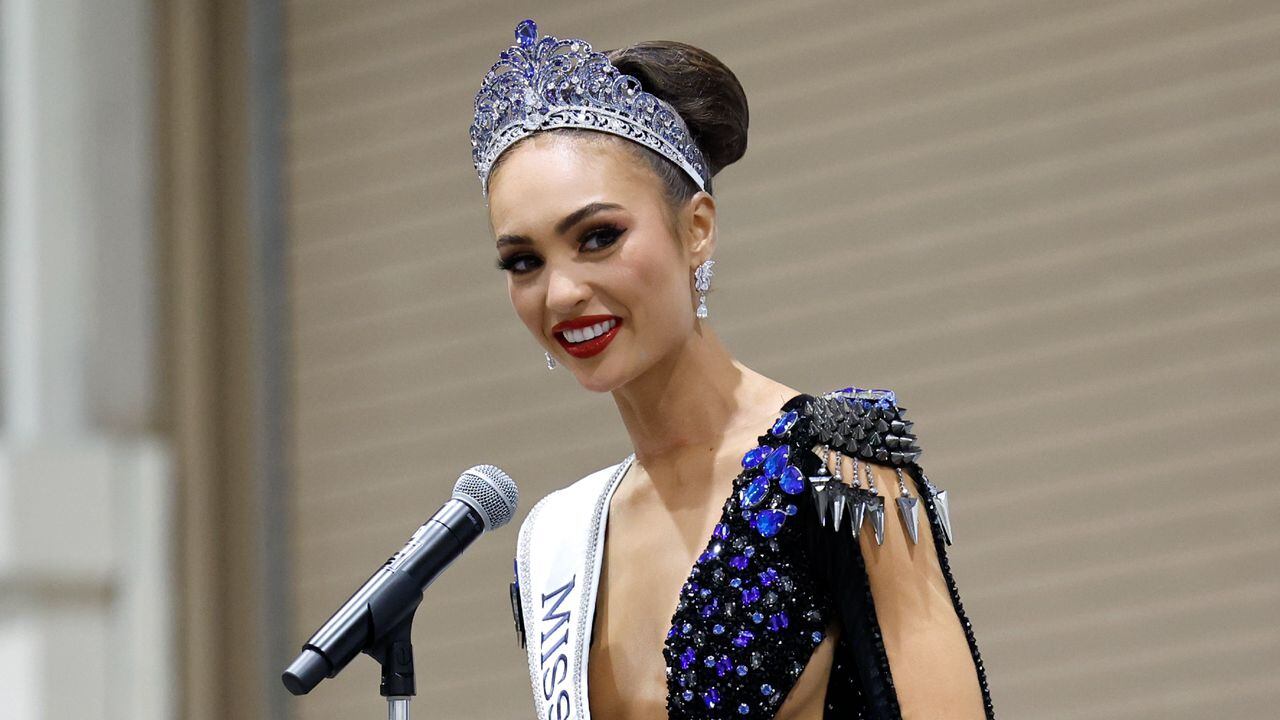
point(742, 670)
point(778, 621)
point(755, 456)
point(768, 576)
point(769, 522)
point(687, 657)
point(757, 618)
point(710, 608)
point(754, 494)
point(723, 666)
point(718, 629)
point(766, 689)
point(743, 708)
point(750, 595)
point(710, 698)
point(709, 661)
point(792, 480)
point(721, 532)
point(817, 636)
point(736, 582)
point(777, 461)
point(744, 638)
point(738, 562)
point(687, 695)
point(784, 423)
point(706, 556)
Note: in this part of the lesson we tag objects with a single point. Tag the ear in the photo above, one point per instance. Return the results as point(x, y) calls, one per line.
point(700, 227)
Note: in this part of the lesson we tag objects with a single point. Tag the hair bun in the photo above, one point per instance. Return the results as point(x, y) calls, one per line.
point(702, 89)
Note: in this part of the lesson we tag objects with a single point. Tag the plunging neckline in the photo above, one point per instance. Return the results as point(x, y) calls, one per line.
point(600, 542)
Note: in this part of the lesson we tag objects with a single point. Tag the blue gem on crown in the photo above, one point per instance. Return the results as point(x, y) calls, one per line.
point(544, 83)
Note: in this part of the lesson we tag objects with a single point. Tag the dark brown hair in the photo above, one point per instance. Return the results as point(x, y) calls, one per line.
point(703, 90)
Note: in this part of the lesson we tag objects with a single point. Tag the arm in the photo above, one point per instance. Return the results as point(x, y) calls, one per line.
point(929, 658)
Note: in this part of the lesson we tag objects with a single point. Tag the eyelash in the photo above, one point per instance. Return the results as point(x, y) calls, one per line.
point(607, 234)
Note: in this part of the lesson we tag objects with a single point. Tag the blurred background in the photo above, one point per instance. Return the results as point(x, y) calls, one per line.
point(251, 332)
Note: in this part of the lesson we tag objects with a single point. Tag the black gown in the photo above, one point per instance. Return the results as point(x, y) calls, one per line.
point(773, 576)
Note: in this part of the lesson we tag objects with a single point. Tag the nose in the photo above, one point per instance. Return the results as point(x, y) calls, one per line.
point(565, 291)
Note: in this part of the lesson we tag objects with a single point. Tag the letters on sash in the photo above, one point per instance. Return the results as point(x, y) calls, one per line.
point(555, 642)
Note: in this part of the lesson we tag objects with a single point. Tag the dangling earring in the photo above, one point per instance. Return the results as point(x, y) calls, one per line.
point(702, 283)
point(551, 362)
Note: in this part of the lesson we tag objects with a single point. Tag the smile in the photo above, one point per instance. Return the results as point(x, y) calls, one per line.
point(587, 336)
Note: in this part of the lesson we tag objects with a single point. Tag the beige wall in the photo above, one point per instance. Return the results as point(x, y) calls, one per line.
point(1051, 227)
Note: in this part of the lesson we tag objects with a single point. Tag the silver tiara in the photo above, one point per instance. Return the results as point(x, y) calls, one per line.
point(543, 83)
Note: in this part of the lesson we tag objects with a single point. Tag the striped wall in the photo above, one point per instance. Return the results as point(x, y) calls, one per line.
point(1051, 226)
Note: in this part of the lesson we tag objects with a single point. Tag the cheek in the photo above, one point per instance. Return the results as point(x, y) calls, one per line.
point(526, 299)
point(655, 286)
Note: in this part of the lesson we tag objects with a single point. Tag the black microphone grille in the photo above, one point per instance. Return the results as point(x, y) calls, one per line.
point(491, 492)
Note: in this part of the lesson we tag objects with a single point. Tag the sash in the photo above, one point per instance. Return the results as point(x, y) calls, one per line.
point(558, 559)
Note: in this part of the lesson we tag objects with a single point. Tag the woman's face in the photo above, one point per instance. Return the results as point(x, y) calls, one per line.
point(599, 268)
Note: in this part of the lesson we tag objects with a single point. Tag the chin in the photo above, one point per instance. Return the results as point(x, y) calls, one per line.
point(598, 380)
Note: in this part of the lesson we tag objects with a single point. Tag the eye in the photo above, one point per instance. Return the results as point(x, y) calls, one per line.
point(520, 263)
point(600, 238)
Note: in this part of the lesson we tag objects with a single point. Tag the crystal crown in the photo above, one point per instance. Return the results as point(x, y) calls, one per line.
point(544, 83)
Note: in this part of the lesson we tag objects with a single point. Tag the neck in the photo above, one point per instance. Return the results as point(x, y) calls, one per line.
point(688, 401)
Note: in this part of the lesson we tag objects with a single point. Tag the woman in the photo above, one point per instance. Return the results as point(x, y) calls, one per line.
point(745, 561)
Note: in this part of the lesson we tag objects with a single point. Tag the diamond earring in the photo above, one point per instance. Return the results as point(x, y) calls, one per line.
point(551, 362)
point(702, 283)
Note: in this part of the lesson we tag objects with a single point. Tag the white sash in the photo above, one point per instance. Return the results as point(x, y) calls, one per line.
point(558, 558)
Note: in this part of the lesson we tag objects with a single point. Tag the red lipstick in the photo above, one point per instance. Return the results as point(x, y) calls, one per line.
point(586, 348)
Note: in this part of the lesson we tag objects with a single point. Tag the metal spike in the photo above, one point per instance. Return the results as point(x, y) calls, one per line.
point(820, 489)
point(875, 514)
point(857, 510)
point(942, 508)
point(839, 499)
point(909, 511)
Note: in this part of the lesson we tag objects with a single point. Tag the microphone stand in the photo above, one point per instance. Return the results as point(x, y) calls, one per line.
point(394, 652)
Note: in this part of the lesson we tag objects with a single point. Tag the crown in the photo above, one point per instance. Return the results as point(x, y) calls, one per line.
point(544, 83)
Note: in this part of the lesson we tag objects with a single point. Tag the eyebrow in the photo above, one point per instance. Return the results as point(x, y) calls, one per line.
point(566, 223)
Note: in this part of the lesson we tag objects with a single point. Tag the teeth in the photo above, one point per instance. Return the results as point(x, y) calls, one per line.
point(587, 333)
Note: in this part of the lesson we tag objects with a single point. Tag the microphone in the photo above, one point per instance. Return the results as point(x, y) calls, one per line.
point(484, 498)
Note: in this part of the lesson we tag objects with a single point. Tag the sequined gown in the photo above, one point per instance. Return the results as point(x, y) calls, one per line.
point(783, 562)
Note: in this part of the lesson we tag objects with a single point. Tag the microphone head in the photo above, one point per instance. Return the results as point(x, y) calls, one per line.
point(491, 492)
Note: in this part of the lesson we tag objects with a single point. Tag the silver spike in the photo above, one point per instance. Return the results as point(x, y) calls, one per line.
point(820, 489)
point(857, 510)
point(875, 513)
point(942, 508)
point(839, 498)
point(909, 511)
